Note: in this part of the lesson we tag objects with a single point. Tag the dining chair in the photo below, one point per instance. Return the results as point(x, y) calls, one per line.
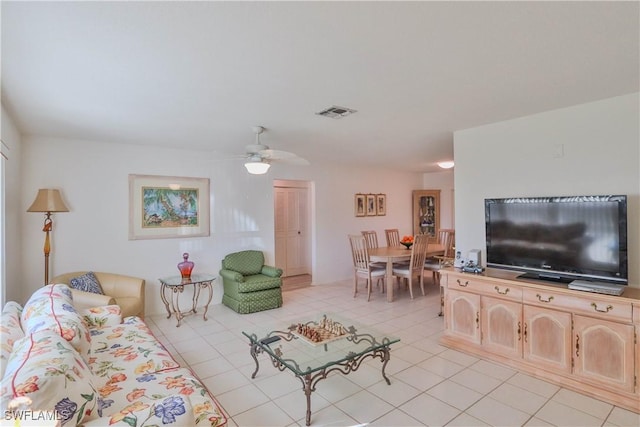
point(416, 263)
point(371, 238)
point(446, 237)
point(393, 237)
point(362, 267)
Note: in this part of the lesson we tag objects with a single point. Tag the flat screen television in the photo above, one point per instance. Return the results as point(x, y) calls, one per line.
point(559, 238)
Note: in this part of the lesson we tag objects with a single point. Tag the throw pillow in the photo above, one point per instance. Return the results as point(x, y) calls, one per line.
point(88, 282)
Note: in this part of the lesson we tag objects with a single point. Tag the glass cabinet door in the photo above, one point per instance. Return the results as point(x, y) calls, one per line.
point(426, 212)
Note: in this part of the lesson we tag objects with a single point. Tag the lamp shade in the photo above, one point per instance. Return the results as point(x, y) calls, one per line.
point(257, 168)
point(48, 200)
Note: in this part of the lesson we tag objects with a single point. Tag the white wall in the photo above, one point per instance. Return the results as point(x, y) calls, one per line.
point(11, 217)
point(94, 234)
point(591, 148)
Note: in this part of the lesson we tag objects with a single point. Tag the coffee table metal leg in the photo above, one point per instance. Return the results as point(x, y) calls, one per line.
point(163, 289)
point(208, 285)
point(254, 353)
point(307, 392)
point(385, 359)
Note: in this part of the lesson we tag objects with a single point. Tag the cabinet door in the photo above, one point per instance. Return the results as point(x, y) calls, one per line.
point(502, 326)
point(463, 315)
point(426, 213)
point(547, 338)
point(603, 352)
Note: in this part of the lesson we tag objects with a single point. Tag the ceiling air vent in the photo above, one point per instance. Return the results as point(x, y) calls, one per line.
point(336, 112)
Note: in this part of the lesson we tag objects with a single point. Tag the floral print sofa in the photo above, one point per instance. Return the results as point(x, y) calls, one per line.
point(94, 368)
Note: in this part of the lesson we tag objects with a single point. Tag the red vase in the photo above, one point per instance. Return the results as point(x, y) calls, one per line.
point(185, 266)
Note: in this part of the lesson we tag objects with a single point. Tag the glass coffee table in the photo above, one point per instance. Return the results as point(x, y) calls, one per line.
point(313, 347)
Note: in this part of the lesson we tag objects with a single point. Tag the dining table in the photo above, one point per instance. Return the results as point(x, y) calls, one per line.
point(391, 254)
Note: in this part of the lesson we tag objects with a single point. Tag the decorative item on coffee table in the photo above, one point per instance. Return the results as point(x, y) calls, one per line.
point(322, 332)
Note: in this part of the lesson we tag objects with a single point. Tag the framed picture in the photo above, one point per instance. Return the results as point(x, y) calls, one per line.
point(381, 204)
point(371, 204)
point(360, 202)
point(162, 207)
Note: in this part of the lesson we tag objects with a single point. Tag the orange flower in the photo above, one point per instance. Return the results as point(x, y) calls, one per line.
point(407, 239)
point(108, 389)
point(145, 367)
point(136, 406)
point(116, 378)
point(29, 386)
point(135, 394)
point(175, 382)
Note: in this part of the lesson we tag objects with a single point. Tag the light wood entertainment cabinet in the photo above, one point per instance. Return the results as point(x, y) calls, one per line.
point(580, 340)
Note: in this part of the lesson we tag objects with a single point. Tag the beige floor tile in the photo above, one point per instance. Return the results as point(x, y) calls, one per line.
point(265, 415)
point(395, 393)
point(533, 385)
point(496, 413)
point(395, 418)
point(561, 415)
point(476, 381)
point(241, 399)
point(295, 404)
point(623, 418)
point(429, 410)
point(455, 394)
point(329, 416)
point(494, 370)
point(518, 398)
point(583, 403)
point(441, 367)
point(418, 378)
point(466, 420)
point(364, 406)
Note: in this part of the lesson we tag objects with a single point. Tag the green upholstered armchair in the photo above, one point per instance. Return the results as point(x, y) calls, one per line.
point(249, 285)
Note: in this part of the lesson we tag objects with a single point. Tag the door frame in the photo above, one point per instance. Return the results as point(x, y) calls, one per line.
point(311, 216)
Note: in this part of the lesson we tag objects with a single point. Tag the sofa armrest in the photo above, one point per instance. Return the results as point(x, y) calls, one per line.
point(82, 299)
point(270, 271)
point(119, 285)
point(232, 275)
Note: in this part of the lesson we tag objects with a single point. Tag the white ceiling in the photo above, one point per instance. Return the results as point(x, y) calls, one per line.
point(199, 75)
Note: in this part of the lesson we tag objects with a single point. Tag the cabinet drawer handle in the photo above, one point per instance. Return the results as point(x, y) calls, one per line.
point(477, 319)
point(595, 307)
point(525, 331)
point(519, 330)
point(577, 345)
point(466, 283)
point(544, 300)
point(501, 293)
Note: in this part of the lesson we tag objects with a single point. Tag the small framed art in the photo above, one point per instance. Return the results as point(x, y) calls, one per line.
point(381, 204)
point(360, 202)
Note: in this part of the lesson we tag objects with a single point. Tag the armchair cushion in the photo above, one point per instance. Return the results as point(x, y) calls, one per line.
point(87, 282)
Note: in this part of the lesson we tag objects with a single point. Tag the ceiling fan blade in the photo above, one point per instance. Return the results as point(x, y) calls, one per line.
point(283, 156)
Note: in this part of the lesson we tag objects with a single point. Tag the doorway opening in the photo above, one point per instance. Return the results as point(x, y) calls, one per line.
point(293, 231)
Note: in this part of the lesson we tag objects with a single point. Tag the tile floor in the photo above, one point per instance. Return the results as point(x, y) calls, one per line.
point(430, 384)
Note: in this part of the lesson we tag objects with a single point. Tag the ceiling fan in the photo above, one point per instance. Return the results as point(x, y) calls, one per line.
point(260, 156)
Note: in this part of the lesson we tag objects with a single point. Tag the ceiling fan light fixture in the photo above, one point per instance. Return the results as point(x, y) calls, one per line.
point(257, 167)
point(446, 165)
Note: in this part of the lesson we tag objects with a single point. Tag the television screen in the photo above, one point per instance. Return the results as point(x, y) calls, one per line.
point(559, 238)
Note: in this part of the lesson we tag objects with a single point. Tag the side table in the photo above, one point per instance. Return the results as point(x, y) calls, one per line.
point(175, 285)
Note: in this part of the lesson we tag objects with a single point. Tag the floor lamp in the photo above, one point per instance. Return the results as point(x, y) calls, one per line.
point(47, 201)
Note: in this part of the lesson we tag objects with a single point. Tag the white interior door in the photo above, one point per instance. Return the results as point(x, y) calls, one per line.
point(292, 237)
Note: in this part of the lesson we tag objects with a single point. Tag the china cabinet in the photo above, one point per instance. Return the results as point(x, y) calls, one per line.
point(426, 212)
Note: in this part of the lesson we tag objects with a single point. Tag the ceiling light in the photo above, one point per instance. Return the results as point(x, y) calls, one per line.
point(446, 165)
point(257, 167)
